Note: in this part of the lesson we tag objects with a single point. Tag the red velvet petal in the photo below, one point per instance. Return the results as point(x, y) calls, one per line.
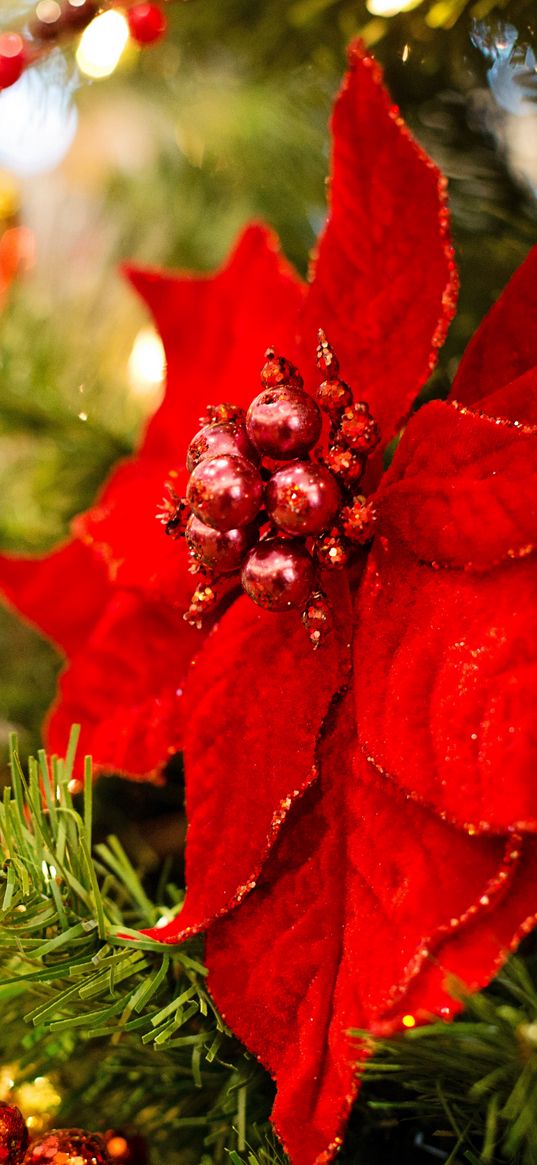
point(257, 698)
point(385, 281)
point(61, 593)
point(124, 687)
point(505, 345)
point(445, 683)
point(360, 880)
point(476, 951)
point(461, 489)
point(515, 401)
point(215, 331)
point(123, 530)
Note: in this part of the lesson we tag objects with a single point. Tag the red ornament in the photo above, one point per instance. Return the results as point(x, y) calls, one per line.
point(358, 428)
point(346, 464)
point(67, 1147)
point(283, 422)
point(389, 833)
point(358, 521)
point(147, 23)
point(12, 58)
point(221, 551)
point(277, 372)
point(302, 498)
point(331, 551)
point(225, 492)
point(13, 1134)
point(334, 396)
point(278, 574)
point(213, 440)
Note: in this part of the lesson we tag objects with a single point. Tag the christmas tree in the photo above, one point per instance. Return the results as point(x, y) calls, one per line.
point(329, 632)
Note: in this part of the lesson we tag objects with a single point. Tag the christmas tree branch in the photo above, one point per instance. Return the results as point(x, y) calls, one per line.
point(73, 985)
point(131, 1037)
point(472, 1083)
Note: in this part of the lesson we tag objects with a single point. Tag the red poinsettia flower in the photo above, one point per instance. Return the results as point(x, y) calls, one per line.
point(361, 818)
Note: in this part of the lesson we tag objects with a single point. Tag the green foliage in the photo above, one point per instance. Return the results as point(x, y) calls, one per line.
point(124, 1024)
point(472, 1084)
point(127, 1030)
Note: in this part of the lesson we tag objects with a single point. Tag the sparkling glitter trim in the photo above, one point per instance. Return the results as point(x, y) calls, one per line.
point(503, 422)
point(276, 822)
point(358, 54)
point(472, 828)
point(495, 888)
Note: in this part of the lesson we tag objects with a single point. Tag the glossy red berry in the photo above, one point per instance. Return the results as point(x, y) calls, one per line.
point(147, 23)
point(213, 440)
point(302, 498)
point(284, 422)
point(221, 550)
point(278, 574)
point(12, 58)
point(225, 492)
point(13, 1134)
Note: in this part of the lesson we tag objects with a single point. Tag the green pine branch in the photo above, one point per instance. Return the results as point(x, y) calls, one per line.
point(130, 1031)
point(130, 1036)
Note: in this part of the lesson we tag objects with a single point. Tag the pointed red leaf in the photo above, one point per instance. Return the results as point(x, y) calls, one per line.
point(360, 882)
point(122, 529)
point(505, 345)
point(460, 491)
point(61, 593)
point(445, 681)
point(124, 688)
point(215, 330)
point(256, 701)
point(385, 285)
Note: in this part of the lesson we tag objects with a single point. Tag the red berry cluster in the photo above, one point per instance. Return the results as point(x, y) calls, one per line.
point(54, 20)
point(259, 504)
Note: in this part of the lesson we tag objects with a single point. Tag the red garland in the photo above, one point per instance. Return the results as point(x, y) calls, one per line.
point(361, 818)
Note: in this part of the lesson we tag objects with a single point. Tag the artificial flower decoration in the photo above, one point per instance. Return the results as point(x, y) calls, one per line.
point(361, 817)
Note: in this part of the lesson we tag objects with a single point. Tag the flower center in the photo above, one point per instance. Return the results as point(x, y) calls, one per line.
point(270, 503)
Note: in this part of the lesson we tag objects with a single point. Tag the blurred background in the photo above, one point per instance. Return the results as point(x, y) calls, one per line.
point(109, 152)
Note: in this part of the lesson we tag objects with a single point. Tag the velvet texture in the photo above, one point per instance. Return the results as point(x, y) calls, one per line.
point(362, 817)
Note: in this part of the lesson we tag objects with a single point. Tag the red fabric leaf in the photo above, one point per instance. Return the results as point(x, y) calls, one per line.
point(445, 684)
point(516, 401)
point(124, 688)
point(257, 698)
point(122, 529)
point(61, 593)
point(215, 330)
point(384, 287)
point(461, 489)
point(360, 882)
point(505, 345)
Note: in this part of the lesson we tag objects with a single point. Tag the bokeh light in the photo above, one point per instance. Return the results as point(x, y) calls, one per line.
point(102, 44)
point(147, 363)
